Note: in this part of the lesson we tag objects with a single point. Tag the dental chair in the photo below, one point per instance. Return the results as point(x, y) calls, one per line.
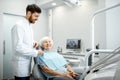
point(37, 72)
point(107, 68)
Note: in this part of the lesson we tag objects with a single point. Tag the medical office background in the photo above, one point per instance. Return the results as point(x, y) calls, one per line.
point(61, 23)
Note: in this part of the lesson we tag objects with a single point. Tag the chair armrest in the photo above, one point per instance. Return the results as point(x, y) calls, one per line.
point(79, 69)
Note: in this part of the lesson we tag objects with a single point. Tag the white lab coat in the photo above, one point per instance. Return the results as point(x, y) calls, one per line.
point(23, 51)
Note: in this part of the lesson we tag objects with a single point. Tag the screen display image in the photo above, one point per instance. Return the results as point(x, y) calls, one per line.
point(73, 44)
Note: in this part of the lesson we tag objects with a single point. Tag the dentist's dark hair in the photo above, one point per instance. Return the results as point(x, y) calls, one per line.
point(33, 8)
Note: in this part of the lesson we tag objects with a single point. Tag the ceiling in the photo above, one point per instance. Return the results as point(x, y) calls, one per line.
point(47, 4)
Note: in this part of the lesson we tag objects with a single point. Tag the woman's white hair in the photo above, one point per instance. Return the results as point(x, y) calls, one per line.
point(44, 39)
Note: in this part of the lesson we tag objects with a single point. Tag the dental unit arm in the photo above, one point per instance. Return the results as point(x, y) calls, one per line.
point(87, 68)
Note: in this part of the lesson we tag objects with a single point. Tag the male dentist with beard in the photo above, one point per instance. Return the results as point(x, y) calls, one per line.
point(23, 43)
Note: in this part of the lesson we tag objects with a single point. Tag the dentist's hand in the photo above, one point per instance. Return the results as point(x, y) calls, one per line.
point(40, 52)
point(35, 44)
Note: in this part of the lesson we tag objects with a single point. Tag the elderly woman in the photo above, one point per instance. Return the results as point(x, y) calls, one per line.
point(53, 65)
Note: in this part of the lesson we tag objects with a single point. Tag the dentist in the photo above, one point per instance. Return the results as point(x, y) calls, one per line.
point(23, 43)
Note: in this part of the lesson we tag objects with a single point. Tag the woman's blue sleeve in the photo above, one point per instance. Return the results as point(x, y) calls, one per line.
point(40, 62)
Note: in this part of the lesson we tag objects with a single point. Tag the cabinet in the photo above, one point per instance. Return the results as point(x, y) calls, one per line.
point(77, 59)
point(74, 59)
point(73, 56)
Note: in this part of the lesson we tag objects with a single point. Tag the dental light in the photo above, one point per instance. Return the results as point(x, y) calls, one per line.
point(71, 3)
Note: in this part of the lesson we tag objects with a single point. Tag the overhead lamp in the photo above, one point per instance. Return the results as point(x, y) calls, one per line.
point(54, 4)
point(72, 2)
point(75, 2)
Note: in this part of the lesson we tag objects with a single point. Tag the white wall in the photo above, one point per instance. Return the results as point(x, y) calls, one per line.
point(1, 43)
point(73, 23)
point(100, 26)
point(113, 25)
point(41, 26)
point(16, 6)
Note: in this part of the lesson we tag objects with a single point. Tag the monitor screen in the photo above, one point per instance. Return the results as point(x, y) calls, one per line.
point(73, 43)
